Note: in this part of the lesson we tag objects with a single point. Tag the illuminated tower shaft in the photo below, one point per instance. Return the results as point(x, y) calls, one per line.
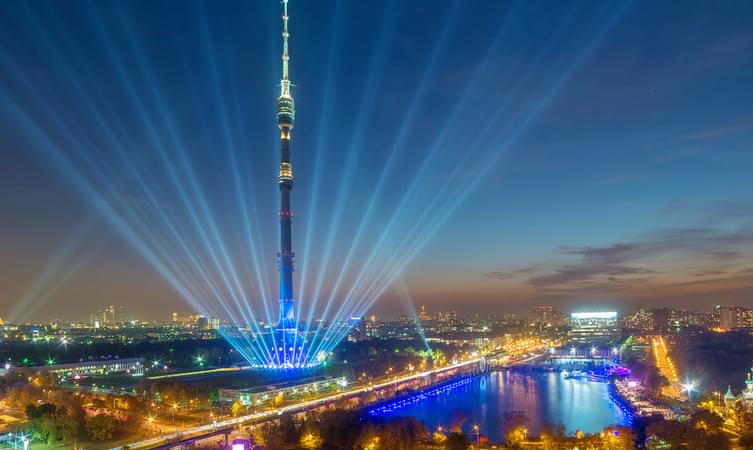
point(285, 118)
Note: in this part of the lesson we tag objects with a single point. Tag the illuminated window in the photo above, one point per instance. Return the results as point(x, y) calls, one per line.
point(286, 171)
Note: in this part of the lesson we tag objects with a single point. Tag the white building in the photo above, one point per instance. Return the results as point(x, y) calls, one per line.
point(594, 328)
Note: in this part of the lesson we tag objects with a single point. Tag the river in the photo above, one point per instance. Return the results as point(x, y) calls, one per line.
point(544, 397)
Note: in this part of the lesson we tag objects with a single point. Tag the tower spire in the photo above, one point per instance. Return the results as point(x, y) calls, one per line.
point(285, 82)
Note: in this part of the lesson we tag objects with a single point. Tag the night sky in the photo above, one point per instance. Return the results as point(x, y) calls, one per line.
point(469, 155)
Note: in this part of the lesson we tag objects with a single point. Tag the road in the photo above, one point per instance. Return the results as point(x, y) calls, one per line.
point(297, 407)
point(667, 368)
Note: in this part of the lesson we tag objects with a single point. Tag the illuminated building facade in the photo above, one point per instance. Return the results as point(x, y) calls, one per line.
point(745, 397)
point(423, 316)
point(547, 315)
point(641, 319)
point(84, 369)
point(734, 317)
point(591, 328)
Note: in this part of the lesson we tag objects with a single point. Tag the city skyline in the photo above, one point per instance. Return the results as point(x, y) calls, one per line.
point(606, 170)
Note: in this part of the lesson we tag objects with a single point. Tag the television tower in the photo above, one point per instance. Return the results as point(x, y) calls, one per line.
point(285, 117)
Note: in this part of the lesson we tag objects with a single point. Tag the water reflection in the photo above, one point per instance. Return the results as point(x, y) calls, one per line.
point(543, 397)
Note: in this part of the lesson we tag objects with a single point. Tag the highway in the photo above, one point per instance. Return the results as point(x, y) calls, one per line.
point(297, 407)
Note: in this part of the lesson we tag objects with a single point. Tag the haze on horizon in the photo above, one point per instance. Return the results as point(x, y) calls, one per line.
point(615, 171)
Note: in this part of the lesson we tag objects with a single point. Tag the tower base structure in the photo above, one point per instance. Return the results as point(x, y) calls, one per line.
point(287, 349)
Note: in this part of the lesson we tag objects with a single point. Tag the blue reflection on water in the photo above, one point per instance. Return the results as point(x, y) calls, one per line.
point(543, 397)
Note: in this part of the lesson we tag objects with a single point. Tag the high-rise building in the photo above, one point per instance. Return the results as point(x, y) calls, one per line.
point(732, 317)
point(542, 313)
point(547, 315)
point(592, 328)
point(661, 319)
point(746, 319)
point(640, 319)
point(423, 316)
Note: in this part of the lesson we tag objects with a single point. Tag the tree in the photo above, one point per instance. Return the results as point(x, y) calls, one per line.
point(67, 428)
point(666, 434)
point(684, 435)
point(649, 375)
point(310, 440)
point(515, 427)
point(707, 421)
point(401, 433)
point(553, 437)
point(369, 438)
point(22, 396)
point(133, 422)
point(101, 427)
point(742, 416)
point(617, 438)
point(50, 423)
point(456, 441)
point(340, 429)
point(282, 435)
point(705, 441)
point(746, 440)
point(237, 408)
point(288, 431)
point(269, 437)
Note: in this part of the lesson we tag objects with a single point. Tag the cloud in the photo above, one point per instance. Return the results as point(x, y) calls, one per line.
point(504, 275)
point(729, 212)
point(709, 273)
point(633, 265)
point(586, 273)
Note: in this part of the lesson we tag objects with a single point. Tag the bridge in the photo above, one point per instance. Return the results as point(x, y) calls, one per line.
point(181, 439)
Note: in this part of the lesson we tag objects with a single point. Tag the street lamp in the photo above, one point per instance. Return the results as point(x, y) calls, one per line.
point(477, 432)
point(717, 397)
point(175, 408)
point(689, 387)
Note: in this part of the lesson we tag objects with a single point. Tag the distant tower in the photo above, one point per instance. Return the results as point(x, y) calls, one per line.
point(729, 398)
point(285, 118)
